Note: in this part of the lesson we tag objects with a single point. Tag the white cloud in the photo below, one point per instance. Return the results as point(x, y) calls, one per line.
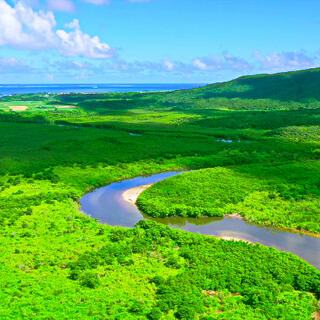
point(98, 2)
point(61, 5)
point(168, 64)
point(206, 64)
point(72, 65)
point(74, 69)
point(286, 61)
point(138, 0)
point(199, 64)
point(23, 28)
point(78, 43)
point(221, 62)
point(13, 65)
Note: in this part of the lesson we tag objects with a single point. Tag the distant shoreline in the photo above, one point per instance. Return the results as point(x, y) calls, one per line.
point(16, 89)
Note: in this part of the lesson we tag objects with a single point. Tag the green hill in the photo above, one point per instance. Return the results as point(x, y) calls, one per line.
point(289, 91)
point(302, 86)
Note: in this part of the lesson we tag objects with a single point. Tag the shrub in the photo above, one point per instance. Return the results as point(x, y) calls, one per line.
point(89, 279)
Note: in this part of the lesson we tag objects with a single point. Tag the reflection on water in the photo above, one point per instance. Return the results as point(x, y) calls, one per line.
point(182, 221)
point(107, 205)
point(135, 134)
point(225, 140)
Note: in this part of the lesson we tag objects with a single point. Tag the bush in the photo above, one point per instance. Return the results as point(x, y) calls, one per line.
point(154, 314)
point(89, 279)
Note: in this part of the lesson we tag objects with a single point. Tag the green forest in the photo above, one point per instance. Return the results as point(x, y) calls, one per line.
point(252, 146)
point(284, 195)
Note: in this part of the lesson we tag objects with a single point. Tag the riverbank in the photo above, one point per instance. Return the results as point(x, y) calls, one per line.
point(103, 204)
point(131, 195)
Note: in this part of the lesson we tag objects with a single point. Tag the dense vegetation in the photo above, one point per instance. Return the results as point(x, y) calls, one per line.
point(282, 195)
point(283, 91)
point(57, 263)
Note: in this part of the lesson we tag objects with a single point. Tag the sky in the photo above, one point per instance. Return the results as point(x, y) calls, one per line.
point(155, 41)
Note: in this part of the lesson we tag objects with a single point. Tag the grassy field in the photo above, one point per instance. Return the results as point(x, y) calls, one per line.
point(33, 106)
point(57, 263)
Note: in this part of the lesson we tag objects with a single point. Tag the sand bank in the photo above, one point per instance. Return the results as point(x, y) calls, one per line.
point(132, 195)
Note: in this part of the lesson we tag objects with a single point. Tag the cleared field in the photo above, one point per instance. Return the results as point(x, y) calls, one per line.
point(65, 107)
point(19, 108)
point(35, 104)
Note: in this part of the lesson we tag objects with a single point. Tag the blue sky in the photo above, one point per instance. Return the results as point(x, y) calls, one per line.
point(132, 41)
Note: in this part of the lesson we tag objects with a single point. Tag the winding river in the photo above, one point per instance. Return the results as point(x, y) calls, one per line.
point(108, 206)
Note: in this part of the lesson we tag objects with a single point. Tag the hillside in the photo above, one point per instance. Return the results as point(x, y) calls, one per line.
point(286, 91)
point(300, 86)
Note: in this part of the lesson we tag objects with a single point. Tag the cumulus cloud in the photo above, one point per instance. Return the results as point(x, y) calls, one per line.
point(78, 43)
point(68, 6)
point(23, 28)
point(61, 5)
point(207, 64)
point(73, 65)
point(13, 65)
point(274, 62)
point(138, 0)
point(286, 61)
point(197, 63)
point(221, 62)
point(98, 2)
point(75, 69)
point(154, 67)
point(168, 64)
point(224, 62)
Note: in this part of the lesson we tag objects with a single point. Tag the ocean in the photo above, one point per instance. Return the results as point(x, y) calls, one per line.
point(8, 89)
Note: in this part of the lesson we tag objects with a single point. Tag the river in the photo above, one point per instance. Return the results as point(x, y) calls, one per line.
point(108, 206)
